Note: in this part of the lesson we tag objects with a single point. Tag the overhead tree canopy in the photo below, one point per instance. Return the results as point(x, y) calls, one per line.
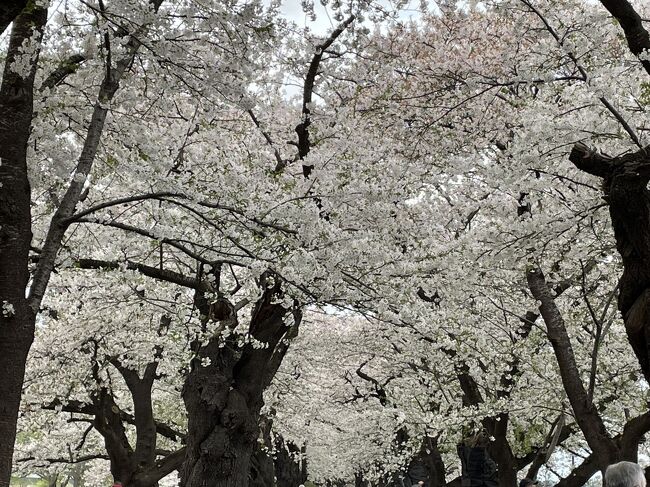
point(422, 242)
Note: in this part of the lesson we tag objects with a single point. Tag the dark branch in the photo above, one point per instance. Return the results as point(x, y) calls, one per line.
point(79, 407)
point(149, 271)
point(591, 161)
point(67, 67)
point(73, 459)
point(638, 39)
point(302, 129)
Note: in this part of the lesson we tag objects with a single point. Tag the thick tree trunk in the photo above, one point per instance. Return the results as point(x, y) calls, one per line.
point(625, 184)
point(433, 462)
point(222, 425)
point(15, 340)
point(17, 319)
point(223, 391)
point(500, 450)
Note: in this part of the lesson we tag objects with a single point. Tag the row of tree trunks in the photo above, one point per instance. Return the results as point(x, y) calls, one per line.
point(274, 462)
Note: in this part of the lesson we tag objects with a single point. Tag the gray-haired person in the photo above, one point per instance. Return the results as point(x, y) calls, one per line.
point(624, 474)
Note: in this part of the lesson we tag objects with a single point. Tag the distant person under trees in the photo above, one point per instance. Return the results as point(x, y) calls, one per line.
point(416, 475)
point(478, 469)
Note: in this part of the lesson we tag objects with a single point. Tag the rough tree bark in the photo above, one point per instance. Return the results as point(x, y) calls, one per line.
point(606, 449)
point(137, 467)
point(17, 319)
point(625, 180)
point(223, 390)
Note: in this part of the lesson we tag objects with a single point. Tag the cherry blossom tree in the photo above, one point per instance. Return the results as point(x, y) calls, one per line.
point(423, 178)
point(494, 124)
point(112, 40)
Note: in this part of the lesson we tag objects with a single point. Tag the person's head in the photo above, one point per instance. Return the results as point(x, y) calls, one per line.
point(478, 438)
point(624, 474)
point(527, 482)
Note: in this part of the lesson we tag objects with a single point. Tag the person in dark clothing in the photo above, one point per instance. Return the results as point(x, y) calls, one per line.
point(477, 468)
point(416, 475)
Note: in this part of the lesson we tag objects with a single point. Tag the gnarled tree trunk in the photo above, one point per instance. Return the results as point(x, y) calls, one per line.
point(223, 390)
point(222, 425)
point(625, 182)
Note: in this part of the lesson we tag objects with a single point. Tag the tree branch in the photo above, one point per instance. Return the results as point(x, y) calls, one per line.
point(278, 158)
point(79, 407)
point(590, 161)
point(67, 67)
point(149, 271)
point(83, 458)
point(638, 39)
point(65, 210)
point(163, 467)
point(119, 201)
point(587, 416)
point(302, 129)
point(583, 72)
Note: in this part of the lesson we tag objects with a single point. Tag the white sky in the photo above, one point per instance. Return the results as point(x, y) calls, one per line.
point(323, 24)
